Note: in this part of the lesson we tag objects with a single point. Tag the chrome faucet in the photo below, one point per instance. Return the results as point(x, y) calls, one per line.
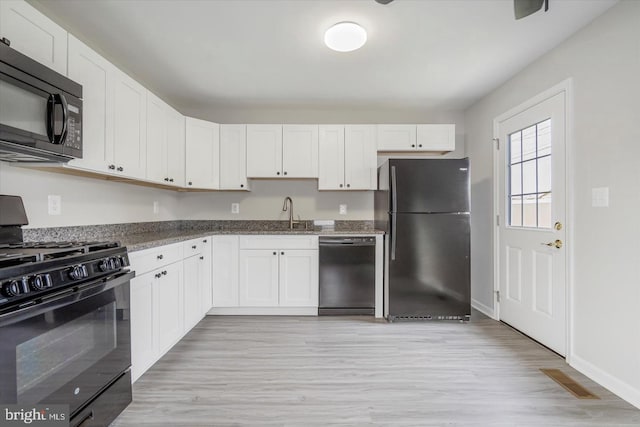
point(290, 209)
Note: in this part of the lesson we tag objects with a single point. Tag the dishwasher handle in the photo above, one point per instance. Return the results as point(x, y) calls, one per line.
point(361, 241)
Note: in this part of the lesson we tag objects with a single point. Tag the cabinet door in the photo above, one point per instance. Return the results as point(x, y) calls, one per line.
point(233, 157)
point(156, 139)
point(259, 278)
point(300, 151)
point(202, 154)
point(331, 157)
point(299, 278)
point(225, 271)
point(175, 147)
point(192, 306)
point(360, 157)
point(33, 34)
point(130, 126)
point(95, 74)
point(436, 137)
point(204, 262)
point(264, 151)
point(170, 308)
point(396, 137)
point(144, 348)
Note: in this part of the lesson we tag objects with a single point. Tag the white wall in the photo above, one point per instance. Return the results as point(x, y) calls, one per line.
point(85, 201)
point(603, 59)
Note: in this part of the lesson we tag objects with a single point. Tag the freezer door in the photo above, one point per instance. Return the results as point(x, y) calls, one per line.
point(429, 185)
point(429, 273)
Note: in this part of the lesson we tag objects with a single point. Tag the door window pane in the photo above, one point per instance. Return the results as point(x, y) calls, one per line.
point(515, 218)
point(529, 176)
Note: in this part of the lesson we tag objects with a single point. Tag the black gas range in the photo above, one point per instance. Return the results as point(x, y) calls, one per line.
point(64, 322)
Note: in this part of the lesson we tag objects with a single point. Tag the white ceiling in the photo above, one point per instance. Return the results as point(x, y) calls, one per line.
point(442, 54)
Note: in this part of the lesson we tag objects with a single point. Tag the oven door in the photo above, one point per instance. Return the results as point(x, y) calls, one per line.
point(68, 348)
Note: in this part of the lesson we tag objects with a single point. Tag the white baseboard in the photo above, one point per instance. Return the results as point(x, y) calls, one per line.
point(614, 385)
point(264, 311)
point(484, 309)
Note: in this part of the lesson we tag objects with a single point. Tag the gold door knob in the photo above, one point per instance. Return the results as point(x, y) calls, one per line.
point(557, 244)
point(557, 226)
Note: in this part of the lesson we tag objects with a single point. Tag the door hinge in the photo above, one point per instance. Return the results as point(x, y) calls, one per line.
point(498, 296)
point(497, 140)
point(498, 220)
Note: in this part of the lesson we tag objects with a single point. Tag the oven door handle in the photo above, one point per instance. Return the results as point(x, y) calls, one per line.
point(55, 99)
point(66, 297)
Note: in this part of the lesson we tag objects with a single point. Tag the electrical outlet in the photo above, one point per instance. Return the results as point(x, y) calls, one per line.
point(156, 207)
point(54, 204)
point(235, 208)
point(343, 209)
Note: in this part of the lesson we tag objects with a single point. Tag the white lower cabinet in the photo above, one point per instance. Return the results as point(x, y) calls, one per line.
point(225, 271)
point(259, 278)
point(298, 278)
point(169, 295)
point(265, 274)
point(144, 348)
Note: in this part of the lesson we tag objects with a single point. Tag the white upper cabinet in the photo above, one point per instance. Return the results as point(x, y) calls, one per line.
point(233, 157)
point(331, 157)
point(300, 151)
point(33, 34)
point(396, 137)
point(348, 158)
point(156, 139)
point(130, 127)
point(202, 154)
point(95, 74)
point(165, 143)
point(439, 138)
point(282, 151)
point(175, 147)
point(360, 157)
point(264, 151)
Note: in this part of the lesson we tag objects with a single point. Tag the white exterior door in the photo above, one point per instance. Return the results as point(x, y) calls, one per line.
point(531, 231)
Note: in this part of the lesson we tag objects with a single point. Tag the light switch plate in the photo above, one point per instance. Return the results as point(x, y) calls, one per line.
point(235, 208)
point(600, 197)
point(343, 209)
point(156, 207)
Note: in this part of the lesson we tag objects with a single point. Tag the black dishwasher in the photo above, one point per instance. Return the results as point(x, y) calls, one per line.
point(347, 275)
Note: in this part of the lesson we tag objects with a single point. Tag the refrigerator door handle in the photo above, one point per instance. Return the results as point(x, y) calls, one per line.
point(394, 200)
point(393, 237)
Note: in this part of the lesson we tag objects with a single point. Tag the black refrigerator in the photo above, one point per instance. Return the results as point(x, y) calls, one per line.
point(423, 206)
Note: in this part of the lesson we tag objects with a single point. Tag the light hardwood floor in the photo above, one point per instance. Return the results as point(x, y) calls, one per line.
point(356, 371)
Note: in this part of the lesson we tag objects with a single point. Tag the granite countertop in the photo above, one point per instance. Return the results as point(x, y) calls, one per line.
point(138, 242)
point(139, 236)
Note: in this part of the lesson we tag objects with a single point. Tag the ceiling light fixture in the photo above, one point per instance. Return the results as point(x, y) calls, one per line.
point(345, 37)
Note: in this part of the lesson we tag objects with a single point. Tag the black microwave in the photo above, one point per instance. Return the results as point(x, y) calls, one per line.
point(40, 111)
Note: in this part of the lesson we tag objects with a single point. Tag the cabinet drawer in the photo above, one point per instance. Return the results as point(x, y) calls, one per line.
point(195, 246)
point(150, 259)
point(279, 242)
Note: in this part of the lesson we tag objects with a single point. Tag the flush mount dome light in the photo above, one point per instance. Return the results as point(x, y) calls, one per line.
point(345, 37)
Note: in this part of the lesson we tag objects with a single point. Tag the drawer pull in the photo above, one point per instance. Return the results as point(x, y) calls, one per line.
point(193, 247)
point(160, 256)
